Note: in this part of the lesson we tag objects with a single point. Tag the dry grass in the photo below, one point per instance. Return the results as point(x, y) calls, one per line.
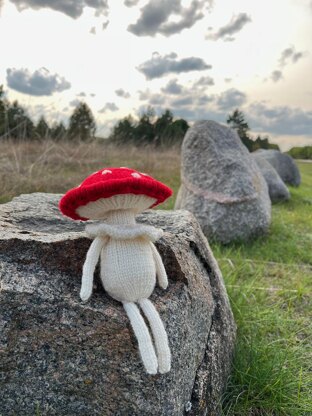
point(55, 167)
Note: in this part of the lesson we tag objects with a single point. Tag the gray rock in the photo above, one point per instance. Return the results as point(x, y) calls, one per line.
point(222, 185)
point(61, 357)
point(284, 165)
point(277, 189)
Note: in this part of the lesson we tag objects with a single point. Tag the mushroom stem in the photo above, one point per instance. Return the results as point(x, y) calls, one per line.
point(121, 217)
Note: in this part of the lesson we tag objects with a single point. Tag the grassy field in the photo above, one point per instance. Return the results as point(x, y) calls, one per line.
point(270, 286)
point(269, 281)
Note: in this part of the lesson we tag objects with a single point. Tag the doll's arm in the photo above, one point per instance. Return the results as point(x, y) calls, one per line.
point(160, 269)
point(89, 266)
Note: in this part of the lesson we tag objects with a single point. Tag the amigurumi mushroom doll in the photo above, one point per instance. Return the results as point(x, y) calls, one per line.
point(129, 260)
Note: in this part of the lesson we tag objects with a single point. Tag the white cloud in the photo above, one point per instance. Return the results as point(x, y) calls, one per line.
point(187, 101)
point(182, 101)
point(105, 24)
point(74, 103)
point(109, 107)
point(122, 93)
point(231, 99)
point(155, 17)
point(159, 66)
point(276, 75)
point(131, 3)
point(72, 8)
point(290, 55)
point(235, 25)
point(38, 83)
point(173, 87)
point(280, 119)
point(204, 82)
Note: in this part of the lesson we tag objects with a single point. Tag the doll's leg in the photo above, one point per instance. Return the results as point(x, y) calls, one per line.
point(159, 334)
point(143, 336)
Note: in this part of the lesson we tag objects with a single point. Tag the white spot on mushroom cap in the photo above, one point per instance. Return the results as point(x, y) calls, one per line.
point(105, 171)
point(135, 175)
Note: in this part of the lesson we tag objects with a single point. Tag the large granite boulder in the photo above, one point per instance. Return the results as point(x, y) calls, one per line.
point(59, 356)
point(222, 185)
point(278, 191)
point(284, 165)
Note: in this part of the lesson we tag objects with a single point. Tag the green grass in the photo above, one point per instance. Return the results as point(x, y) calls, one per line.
point(269, 283)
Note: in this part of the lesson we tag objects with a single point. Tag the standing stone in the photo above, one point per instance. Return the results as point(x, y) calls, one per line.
point(222, 185)
point(284, 165)
point(277, 189)
point(59, 356)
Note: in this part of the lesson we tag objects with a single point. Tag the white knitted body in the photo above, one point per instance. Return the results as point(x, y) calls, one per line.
point(129, 265)
point(128, 271)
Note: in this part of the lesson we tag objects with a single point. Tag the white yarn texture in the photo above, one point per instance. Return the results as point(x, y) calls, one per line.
point(130, 264)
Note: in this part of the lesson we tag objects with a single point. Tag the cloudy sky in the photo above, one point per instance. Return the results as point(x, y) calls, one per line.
point(199, 58)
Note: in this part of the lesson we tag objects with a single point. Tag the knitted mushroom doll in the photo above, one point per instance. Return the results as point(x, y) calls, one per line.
point(129, 260)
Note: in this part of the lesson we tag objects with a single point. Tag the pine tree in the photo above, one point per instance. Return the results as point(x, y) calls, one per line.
point(144, 131)
point(58, 131)
point(19, 125)
point(42, 129)
point(162, 126)
point(124, 131)
point(237, 122)
point(81, 124)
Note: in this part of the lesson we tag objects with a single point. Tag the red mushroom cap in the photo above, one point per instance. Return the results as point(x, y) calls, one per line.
point(109, 182)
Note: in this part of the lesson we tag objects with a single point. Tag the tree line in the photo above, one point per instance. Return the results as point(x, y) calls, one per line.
point(162, 130)
point(16, 124)
point(149, 129)
point(304, 152)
